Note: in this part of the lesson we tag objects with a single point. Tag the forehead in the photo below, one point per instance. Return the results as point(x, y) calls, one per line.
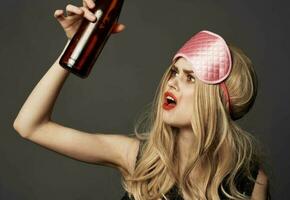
point(182, 63)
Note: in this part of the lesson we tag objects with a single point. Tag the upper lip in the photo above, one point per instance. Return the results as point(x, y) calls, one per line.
point(166, 94)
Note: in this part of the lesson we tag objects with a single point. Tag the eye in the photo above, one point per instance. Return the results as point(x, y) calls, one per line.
point(190, 78)
point(173, 72)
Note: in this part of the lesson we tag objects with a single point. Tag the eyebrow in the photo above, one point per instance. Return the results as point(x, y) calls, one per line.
point(184, 70)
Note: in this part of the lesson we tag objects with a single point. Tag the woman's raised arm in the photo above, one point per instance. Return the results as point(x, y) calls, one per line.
point(34, 123)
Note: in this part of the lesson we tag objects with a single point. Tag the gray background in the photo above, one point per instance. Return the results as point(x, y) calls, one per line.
point(123, 82)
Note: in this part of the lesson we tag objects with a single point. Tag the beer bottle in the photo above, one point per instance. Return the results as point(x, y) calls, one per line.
point(84, 48)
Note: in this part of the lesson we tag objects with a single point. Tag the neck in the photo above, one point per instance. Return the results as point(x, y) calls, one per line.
point(185, 140)
point(185, 148)
point(184, 144)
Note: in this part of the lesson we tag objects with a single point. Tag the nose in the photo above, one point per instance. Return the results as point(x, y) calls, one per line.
point(173, 83)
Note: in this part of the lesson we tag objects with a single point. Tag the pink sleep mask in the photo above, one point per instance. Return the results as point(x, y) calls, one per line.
point(209, 55)
point(210, 58)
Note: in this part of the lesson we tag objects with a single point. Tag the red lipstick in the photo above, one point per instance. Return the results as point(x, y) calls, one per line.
point(170, 101)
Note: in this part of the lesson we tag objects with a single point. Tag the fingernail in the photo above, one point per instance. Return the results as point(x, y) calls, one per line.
point(92, 5)
point(94, 18)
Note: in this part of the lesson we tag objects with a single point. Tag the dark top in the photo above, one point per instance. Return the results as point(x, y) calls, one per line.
point(243, 184)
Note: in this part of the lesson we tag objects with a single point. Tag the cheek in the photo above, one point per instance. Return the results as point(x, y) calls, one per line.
point(188, 99)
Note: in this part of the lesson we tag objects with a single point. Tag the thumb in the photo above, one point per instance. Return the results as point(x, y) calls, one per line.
point(118, 28)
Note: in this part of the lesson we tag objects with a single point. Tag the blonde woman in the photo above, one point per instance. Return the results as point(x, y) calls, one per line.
point(191, 147)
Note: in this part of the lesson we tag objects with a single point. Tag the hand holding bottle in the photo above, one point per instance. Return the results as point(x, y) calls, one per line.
point(87, 28)
point(75, 15)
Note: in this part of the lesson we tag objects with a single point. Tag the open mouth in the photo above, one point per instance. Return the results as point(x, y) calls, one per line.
point(169, 101)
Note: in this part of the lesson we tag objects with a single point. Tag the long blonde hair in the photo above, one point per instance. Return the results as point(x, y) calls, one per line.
point(221, 146)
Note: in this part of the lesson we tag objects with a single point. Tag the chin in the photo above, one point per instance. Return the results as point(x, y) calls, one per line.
point(171, 123)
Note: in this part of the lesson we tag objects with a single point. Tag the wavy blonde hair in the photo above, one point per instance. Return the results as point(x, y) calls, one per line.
point(222, 148)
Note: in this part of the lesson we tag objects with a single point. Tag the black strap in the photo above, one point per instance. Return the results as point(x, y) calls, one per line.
point(246, 185)
point(126, 195)
point(243, 183)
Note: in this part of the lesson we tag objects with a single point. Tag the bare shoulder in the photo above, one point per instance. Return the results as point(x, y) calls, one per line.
point(132, 153)
point(128, 148)
point(261, 186)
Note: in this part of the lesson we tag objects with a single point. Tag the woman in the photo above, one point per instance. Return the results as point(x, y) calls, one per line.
point(191, 148)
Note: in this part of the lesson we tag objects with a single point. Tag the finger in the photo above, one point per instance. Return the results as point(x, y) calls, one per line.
point(88, 14)
point(118, 28)
point(59, 15)
point(73, 10)
point(89, 4)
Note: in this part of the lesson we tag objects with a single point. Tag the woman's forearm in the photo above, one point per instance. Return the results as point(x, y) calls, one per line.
point(38, 107)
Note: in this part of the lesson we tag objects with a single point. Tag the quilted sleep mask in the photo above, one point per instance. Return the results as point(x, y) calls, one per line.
point(210, 58)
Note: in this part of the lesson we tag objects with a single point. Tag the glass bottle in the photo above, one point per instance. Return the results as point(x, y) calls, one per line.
point(89, 40)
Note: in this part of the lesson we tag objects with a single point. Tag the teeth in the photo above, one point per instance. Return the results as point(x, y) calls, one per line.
point(169, 97)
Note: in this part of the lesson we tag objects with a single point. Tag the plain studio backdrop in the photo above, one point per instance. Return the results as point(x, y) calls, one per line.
point(123, 82)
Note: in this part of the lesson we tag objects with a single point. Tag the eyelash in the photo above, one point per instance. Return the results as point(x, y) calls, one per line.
point(174, 71)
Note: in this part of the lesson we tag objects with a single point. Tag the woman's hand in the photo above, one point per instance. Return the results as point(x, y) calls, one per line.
point(75, 15)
